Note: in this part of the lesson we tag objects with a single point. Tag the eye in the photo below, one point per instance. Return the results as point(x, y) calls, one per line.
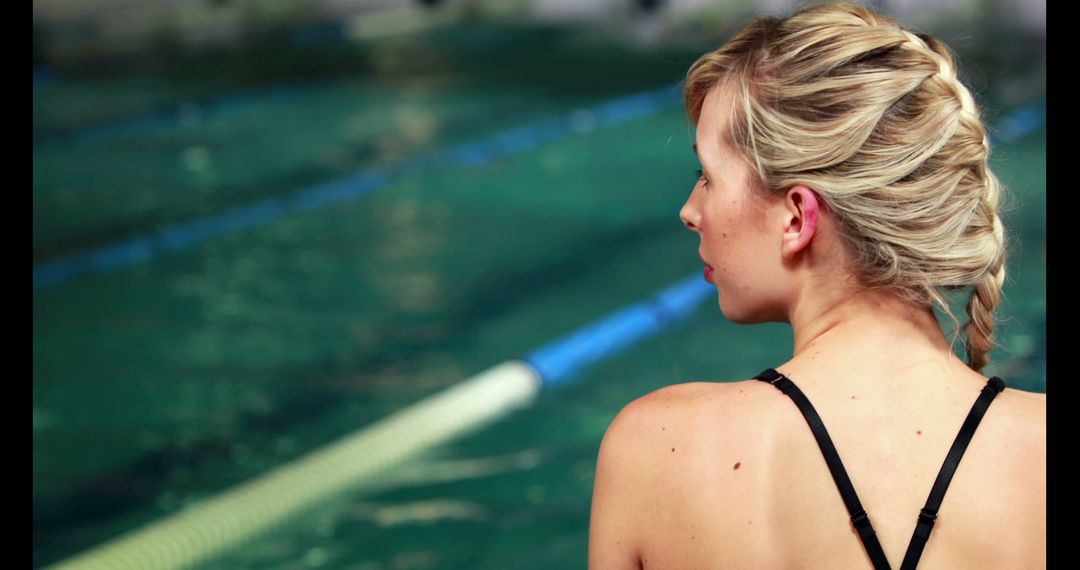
point(701, 176)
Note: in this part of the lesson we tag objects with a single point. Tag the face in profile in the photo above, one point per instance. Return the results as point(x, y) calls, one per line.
point(739, 246)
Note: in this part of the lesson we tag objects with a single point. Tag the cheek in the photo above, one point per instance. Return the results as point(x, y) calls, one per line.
point(722, 217)
point(716, 230)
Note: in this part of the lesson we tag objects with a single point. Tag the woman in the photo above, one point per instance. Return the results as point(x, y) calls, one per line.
point(844, 190)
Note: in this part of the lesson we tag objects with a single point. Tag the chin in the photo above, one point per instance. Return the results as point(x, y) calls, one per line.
point(744, 319)
point(749, 316)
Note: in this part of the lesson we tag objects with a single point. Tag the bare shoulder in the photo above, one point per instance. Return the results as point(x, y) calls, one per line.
point(658, 435)
point(668, 459)
point(1030, 398)
point(1007, 454)
point(1025, 414)
point(689, 407)
point(1033, 403)
point(1023, 426)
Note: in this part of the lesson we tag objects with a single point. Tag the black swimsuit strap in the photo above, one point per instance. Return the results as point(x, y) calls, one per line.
point(851, 500)
point(993, 387)
point(859, 519)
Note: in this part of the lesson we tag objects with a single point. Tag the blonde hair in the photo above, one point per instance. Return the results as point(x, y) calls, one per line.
point(873, 117)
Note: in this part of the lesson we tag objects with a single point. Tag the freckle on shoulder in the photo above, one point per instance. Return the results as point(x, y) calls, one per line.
point(659, 411)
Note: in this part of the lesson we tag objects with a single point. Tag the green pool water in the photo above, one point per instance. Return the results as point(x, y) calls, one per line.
point(163, 383)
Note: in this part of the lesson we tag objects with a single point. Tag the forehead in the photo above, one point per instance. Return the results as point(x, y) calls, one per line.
point(713, 121)
point(712, 145)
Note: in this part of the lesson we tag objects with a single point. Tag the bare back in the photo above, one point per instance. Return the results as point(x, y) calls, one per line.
point(738, 480)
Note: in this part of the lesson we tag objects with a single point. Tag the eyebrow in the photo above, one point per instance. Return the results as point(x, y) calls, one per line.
point(695, 149)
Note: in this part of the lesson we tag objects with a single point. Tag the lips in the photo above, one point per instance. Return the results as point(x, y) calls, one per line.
point(708, 268)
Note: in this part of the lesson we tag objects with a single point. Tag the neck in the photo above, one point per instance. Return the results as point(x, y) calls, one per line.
point(867, 321)
point(837, 322)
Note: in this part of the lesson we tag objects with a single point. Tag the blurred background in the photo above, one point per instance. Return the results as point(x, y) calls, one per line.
point(260, 225)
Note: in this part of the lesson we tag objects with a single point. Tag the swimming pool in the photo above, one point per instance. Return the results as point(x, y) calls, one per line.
point(164, 381)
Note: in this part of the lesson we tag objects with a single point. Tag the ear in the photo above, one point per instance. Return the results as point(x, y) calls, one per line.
point(802, 214)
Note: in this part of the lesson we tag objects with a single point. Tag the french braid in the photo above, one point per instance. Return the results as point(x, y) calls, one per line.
point(873, 117)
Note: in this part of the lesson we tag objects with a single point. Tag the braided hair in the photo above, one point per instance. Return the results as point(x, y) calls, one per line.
point(873, 117)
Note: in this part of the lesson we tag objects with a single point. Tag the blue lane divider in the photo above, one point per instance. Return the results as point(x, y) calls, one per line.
point(180, 236)
point(557, 361)
point(143, 248)
point(198, 110)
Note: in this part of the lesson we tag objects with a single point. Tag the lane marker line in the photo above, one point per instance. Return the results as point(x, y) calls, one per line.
point(145, 247)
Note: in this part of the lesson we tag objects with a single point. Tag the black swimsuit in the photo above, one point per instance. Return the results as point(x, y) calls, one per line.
point(858, 516)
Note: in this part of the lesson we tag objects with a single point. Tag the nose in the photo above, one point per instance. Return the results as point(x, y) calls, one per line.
point(689, 215)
